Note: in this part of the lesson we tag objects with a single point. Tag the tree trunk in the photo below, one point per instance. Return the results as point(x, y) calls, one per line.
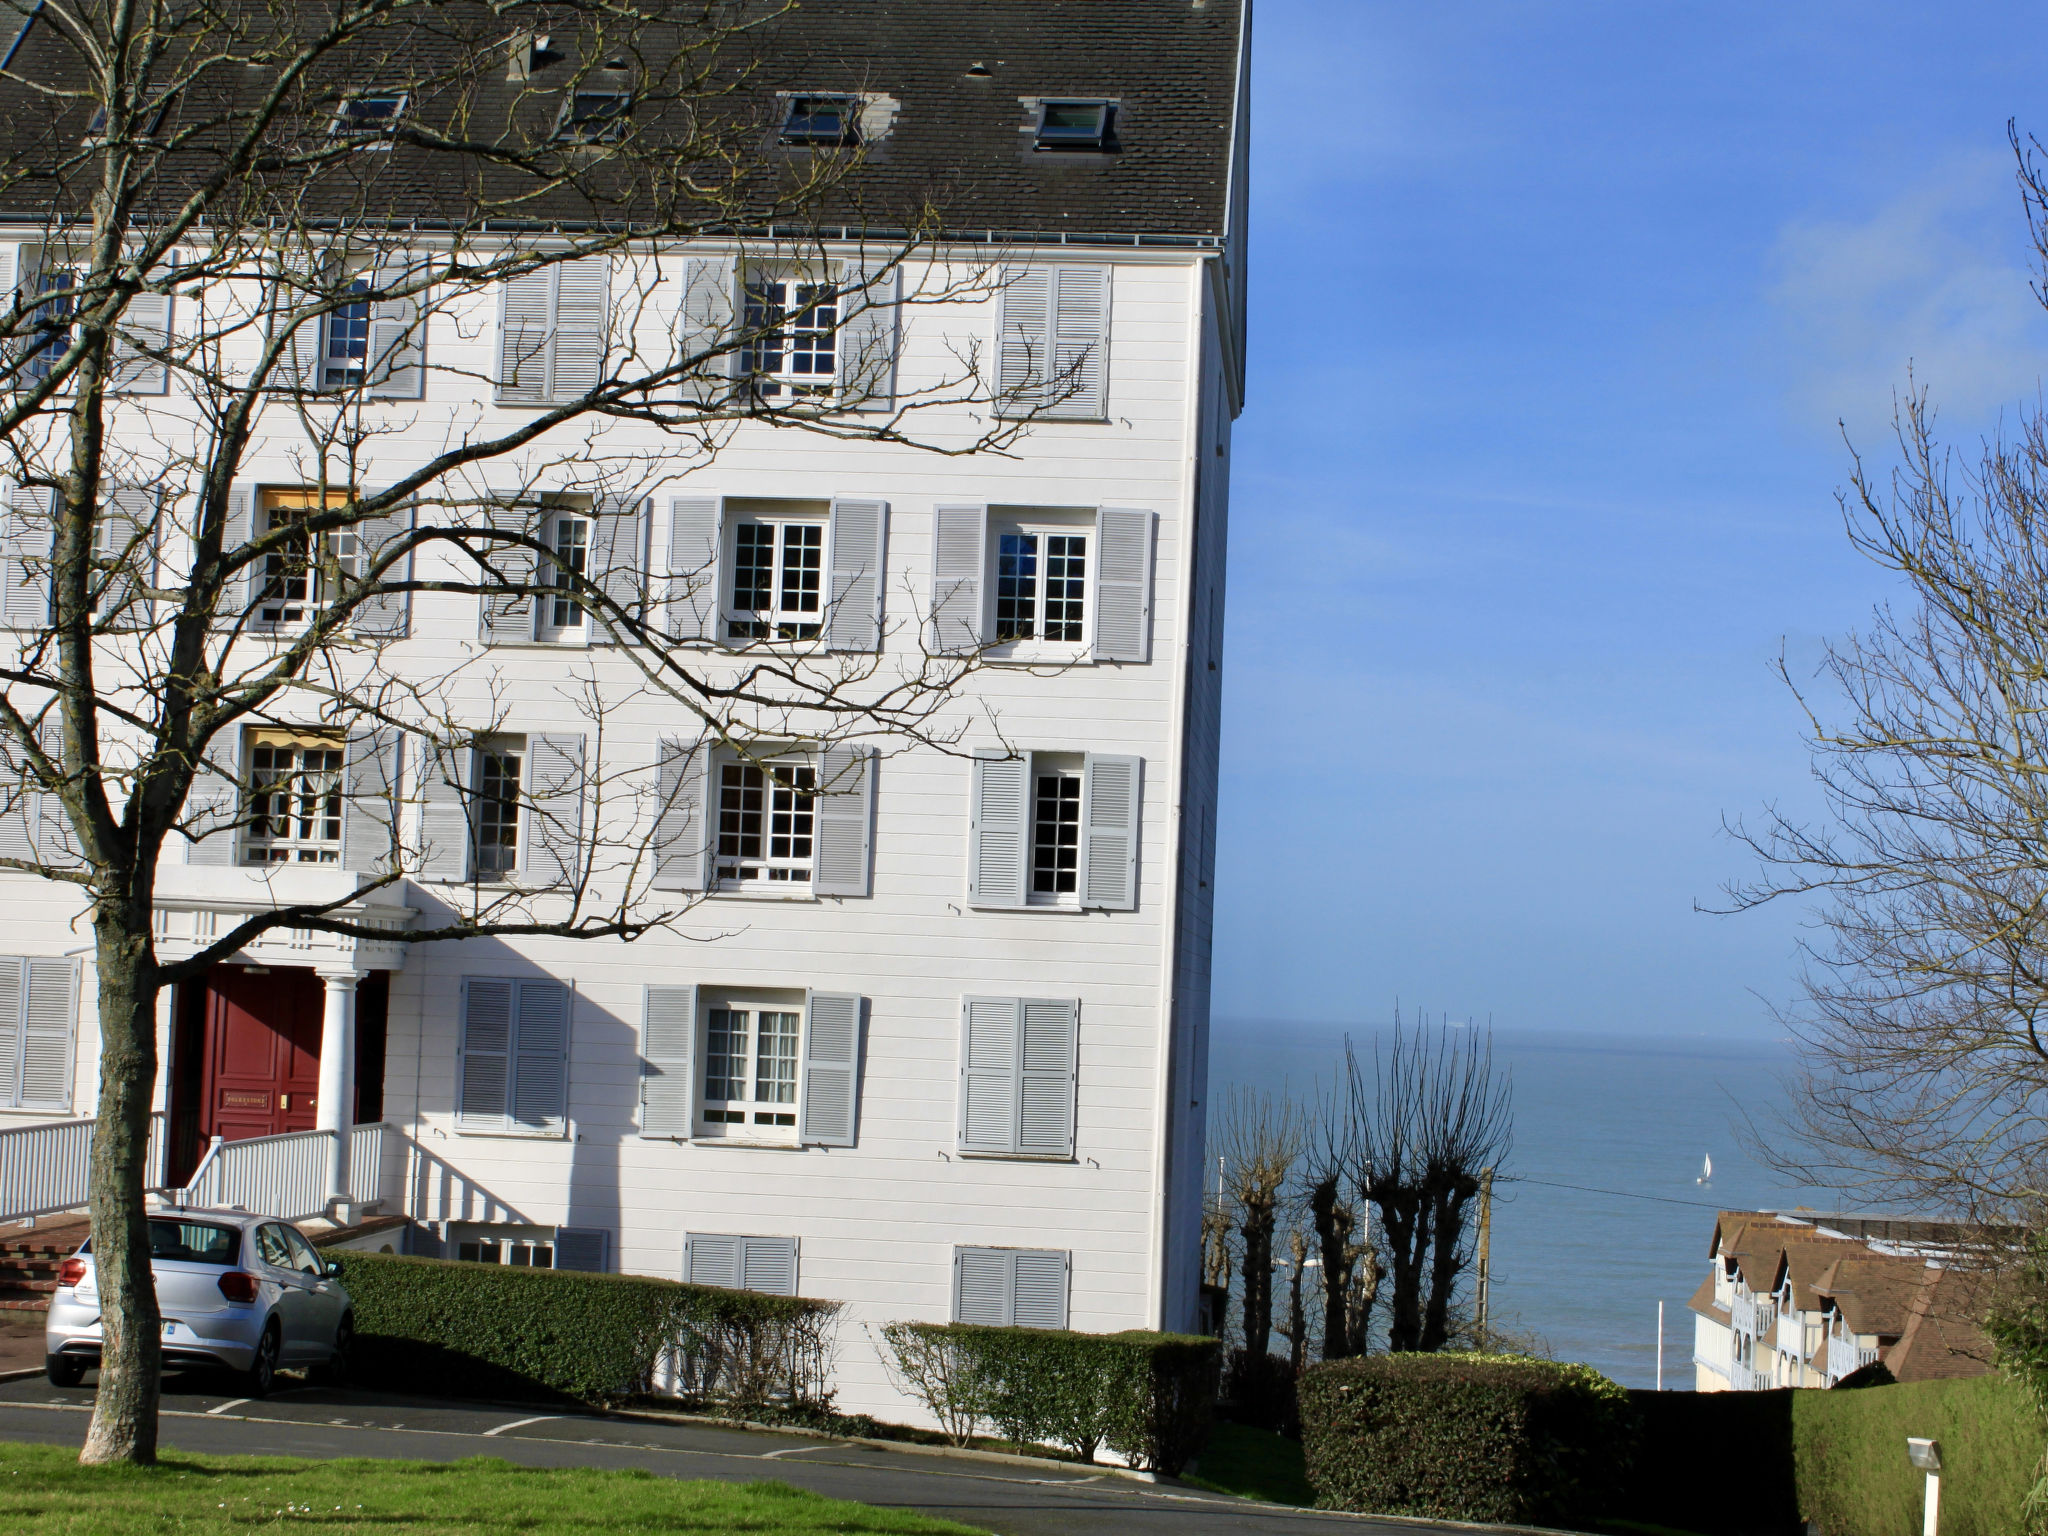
point(1445, 1265)
point(1258, 1277)
point(1408, 1245)
point(1333, 1223)
point(124, 1422)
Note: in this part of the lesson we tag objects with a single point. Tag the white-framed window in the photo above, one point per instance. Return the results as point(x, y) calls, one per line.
point(55, 289)
point(295, 799)
point(776, 590)
point(767, 827)
point(752, 1048)
point(521, 1251)
point(1039, 582)
point(791, 320)
point(1055, 829)
point(368, 114)
point(831, 122)
point(594, 117)
point(345, 340)
point(500, 799)
point(295, 584)
point(567, 535)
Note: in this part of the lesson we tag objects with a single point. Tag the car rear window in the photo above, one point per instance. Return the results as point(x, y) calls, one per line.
point(194, 1242)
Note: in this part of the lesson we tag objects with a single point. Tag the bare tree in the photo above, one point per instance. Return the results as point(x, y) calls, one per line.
point(1435, 1118)
point(1924, 1071)
point(1330, 1176)
point(217, 194)
point(1261, 1139)
point(1296, 1331)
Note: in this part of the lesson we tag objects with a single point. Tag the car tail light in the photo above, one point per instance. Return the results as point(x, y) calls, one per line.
point(237, 1286)
point(70, 1272)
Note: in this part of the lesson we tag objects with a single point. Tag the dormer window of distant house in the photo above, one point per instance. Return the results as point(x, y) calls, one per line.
point(1075, 125)
point(594, 117)
point(151, 119)
point(822, 121)
point(369, 115)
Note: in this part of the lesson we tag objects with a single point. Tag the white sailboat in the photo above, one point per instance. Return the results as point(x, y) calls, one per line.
point(1706, 1171)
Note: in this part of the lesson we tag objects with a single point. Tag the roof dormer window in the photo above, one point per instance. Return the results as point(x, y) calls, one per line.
point(594, 117)
point(370, 114)
point(1074, 124)
point(829, 121)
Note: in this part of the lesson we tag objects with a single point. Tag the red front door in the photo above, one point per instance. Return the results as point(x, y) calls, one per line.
point(262, 1055)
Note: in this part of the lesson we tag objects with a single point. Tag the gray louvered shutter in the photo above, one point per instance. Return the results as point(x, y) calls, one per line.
point(49, 1030)
point(1111, 790)
point(13, 988)
point(959, 570)
point(1077, 388)
point(398, 336)
point(555, 780)
point(668, 1037)
point(511, 616)
point(582, 316)
point(213, 805)
point(828, 1097)
point(540, 1072)
point(857, 540)
point(583, 1248)
point(984, 1287)
point(705, 327)
point(842, 861)
point(999, 830)
point(386, 615)
point(145, 323)
point(1123, 585)
point(298, 361)
point(127, 533)
point(485, 1068)
point(52, 828)
point(446, 779)
point(1050, 1032)
point(867, 337)
point(31, 529)
point(682, 825)
point(237, 528)
point(23, 803)
point(1024, 345)
point(618, 558)
point(693, 528)
point(713, 1258)
point(1039, 1290)
point(768, 1265)
point(369, 814)
point(526, 324)
point(990, 1085)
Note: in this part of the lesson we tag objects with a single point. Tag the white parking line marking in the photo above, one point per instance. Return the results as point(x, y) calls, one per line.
point(520, 1424)
point(792, 1450)
point(233, 1402)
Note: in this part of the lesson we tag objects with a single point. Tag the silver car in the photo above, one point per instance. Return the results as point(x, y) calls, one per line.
point(243, 1292)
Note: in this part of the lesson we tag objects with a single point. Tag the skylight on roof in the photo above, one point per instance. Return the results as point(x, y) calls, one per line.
point(1074, 124)
point(371, 113)
point(828, 120)
point(151, 119)
point(594, 117)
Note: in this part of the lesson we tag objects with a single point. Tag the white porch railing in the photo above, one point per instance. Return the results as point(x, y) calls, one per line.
point(45, 1169)
point(287, 1176)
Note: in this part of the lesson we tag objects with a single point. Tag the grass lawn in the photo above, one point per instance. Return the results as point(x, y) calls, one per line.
point(44, 1490)
point(1255, 1464)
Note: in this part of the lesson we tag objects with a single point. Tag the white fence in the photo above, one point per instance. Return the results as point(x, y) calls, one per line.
point(287, 1175)
point(48, 1168)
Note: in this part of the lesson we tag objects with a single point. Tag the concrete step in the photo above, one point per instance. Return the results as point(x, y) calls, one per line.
point(37, 1304)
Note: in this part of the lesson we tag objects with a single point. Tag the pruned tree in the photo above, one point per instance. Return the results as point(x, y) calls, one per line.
point(1435, 1118)
point(1330, 1176)
point(1296, 1329)
point(1924, 1068)
point(249, 267)
point(1260, 1141)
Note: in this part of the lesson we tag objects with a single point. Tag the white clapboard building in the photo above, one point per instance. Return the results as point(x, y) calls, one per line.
point(935, 1049)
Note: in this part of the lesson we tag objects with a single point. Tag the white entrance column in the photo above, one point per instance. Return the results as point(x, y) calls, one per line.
point(337, 1111)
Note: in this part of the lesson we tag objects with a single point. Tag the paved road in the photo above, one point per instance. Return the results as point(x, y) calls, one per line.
point(1011, 1500)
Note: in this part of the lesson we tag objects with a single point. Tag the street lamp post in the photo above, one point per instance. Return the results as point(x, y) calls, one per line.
point(1926, 1455)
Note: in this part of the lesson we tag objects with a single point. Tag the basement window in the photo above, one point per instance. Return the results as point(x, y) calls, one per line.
point(1074, 124)
point(822, 120)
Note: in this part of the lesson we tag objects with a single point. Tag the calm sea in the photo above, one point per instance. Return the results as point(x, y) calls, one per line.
point(1623, 1119)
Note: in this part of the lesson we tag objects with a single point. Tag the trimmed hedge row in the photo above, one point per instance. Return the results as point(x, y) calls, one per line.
point(496, 1330)
point(1491, 1438)
point(1149, 1396)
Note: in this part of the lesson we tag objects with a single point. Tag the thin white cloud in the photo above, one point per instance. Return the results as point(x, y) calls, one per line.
point(1934, 280)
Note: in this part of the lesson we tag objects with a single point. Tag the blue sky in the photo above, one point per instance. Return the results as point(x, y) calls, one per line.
point(1555, 310)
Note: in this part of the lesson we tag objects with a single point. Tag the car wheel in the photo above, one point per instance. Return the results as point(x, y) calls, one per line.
point(335, 1372)
point(262, 1370)
point(65, 1370)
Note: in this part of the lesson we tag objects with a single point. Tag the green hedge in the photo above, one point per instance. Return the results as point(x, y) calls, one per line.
point(1490, 1438)
point(494, 1330)
point(1150, 1396)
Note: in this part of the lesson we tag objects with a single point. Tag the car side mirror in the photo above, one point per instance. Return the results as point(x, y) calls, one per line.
point(331, 1268)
